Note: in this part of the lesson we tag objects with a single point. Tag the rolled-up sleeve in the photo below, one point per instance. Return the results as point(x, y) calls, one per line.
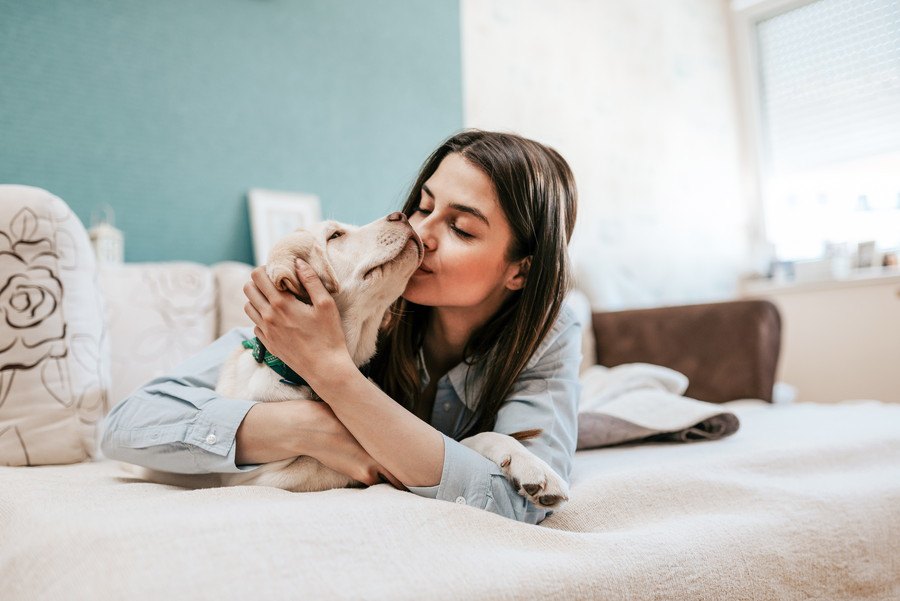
point(178, 423)
point(545, 396)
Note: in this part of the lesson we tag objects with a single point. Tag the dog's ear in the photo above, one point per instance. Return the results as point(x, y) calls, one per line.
point(282, 267)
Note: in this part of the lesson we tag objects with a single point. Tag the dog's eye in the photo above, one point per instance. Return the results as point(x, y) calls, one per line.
point(337, 234)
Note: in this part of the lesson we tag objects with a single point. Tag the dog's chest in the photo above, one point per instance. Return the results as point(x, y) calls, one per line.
point(243, 377)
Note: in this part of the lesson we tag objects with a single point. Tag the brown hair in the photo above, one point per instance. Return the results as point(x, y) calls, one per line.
point(537, 194)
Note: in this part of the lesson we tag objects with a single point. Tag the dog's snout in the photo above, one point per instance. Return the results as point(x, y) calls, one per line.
point(396, 216)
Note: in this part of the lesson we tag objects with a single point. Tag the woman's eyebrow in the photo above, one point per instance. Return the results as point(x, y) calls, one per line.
point(460, 207)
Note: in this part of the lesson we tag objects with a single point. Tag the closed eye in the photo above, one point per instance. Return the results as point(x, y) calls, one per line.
point(462, 234)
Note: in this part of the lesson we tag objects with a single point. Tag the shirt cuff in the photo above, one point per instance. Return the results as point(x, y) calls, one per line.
point(465, 476)
point(469, 478)
point(214, 430)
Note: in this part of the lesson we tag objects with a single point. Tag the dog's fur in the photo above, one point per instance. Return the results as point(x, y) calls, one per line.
point(365, 269)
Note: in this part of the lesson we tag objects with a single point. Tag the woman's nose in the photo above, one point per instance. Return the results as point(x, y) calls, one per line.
point(397, 216)
point(424, 231)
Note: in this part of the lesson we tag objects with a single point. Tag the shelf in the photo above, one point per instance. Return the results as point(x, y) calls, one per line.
point(874, 276)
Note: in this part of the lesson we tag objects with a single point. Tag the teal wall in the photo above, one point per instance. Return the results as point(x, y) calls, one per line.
point(170, 110)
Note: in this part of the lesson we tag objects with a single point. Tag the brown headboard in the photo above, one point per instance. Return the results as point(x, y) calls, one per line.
point(728, 350)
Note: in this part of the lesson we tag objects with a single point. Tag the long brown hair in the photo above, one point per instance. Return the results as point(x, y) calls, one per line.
point(537, 194)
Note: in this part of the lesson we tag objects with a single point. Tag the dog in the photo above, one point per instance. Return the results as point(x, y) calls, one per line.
point(365, 269)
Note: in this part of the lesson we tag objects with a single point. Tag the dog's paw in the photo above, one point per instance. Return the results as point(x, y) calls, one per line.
point(535, 480)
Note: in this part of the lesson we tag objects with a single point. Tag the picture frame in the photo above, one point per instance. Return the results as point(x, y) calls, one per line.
point(275, 214)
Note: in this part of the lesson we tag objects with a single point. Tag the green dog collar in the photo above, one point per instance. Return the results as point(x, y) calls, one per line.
point(288, 375)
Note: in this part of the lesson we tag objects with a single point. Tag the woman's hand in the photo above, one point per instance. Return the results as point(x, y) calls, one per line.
point(308, 338)
point(331, 443)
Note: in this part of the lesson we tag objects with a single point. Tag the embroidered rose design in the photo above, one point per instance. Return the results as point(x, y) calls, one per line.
point(184, 299)
point(31, 322)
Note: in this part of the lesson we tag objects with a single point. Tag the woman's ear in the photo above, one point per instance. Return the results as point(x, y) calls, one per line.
point(519, 274)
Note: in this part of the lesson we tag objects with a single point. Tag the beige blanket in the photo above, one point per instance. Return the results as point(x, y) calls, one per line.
point(803, 502)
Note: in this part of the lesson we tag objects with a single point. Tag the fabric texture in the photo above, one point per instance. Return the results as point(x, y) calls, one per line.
point(639, 401)
point(54, 354)
point(230, 277)
point(158, 314)
point(803, 502)
point(178, 423)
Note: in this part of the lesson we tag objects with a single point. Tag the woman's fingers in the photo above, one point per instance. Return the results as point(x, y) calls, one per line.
point(262, 337)
point(252, 313)
point(255, 298)
point(264, 285)
point(310, 280)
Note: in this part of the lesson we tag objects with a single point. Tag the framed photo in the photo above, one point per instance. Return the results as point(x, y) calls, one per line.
point(865, 254)
point(275, 214)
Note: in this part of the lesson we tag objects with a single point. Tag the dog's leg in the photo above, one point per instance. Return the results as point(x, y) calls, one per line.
point(530, 475)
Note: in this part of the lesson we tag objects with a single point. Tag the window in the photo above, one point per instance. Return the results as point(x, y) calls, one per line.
point(828, 76)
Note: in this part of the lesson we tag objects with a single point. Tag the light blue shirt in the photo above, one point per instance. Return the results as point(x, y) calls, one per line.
point(178, 423)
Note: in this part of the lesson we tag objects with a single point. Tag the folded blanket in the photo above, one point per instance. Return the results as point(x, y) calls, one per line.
point(643, 402)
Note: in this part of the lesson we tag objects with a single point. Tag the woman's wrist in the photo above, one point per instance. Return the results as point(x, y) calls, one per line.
point(332, 374)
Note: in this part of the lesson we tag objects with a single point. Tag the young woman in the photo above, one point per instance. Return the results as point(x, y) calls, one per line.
point(479, 341)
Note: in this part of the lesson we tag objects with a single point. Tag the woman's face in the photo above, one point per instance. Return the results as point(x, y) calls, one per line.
point(466, 237)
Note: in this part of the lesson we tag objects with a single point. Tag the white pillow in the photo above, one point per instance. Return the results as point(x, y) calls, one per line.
point(159, 314)
point(54, 356)
point(230, 298)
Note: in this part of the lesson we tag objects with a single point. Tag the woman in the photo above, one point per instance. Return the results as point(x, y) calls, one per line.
point(479, 341)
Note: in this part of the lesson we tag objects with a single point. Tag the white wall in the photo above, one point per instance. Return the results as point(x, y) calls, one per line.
point(639, 96)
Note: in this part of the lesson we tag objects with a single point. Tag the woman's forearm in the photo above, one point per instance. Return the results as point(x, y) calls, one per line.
point(411, 449)
point(287, 429)
point(275, 431)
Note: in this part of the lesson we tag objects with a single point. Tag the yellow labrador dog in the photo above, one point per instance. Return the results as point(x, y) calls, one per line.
point(365, 269)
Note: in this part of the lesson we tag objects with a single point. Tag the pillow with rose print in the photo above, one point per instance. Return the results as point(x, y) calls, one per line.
point(54, 358)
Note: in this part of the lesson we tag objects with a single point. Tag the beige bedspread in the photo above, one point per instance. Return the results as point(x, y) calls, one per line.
point(803, 502)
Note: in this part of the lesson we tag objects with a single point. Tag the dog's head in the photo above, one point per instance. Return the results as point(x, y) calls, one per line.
point(365, 268)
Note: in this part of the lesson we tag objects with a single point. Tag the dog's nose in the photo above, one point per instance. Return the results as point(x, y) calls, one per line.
point(396, 216)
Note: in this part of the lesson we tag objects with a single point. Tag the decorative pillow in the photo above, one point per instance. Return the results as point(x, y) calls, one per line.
point(230, 299)
point(159, 314)
point(54, 357)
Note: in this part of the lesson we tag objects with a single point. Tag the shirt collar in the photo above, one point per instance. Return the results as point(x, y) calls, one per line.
point(457, 376)
point(460, 372)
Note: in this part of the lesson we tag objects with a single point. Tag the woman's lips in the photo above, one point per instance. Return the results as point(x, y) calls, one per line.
point(422, 269)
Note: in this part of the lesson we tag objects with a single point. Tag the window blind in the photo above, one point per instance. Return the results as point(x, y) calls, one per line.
point(830, 82)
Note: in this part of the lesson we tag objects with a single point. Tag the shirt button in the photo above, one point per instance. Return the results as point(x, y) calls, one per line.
point(461, 500)
point(447, 406)
point(211, 439)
